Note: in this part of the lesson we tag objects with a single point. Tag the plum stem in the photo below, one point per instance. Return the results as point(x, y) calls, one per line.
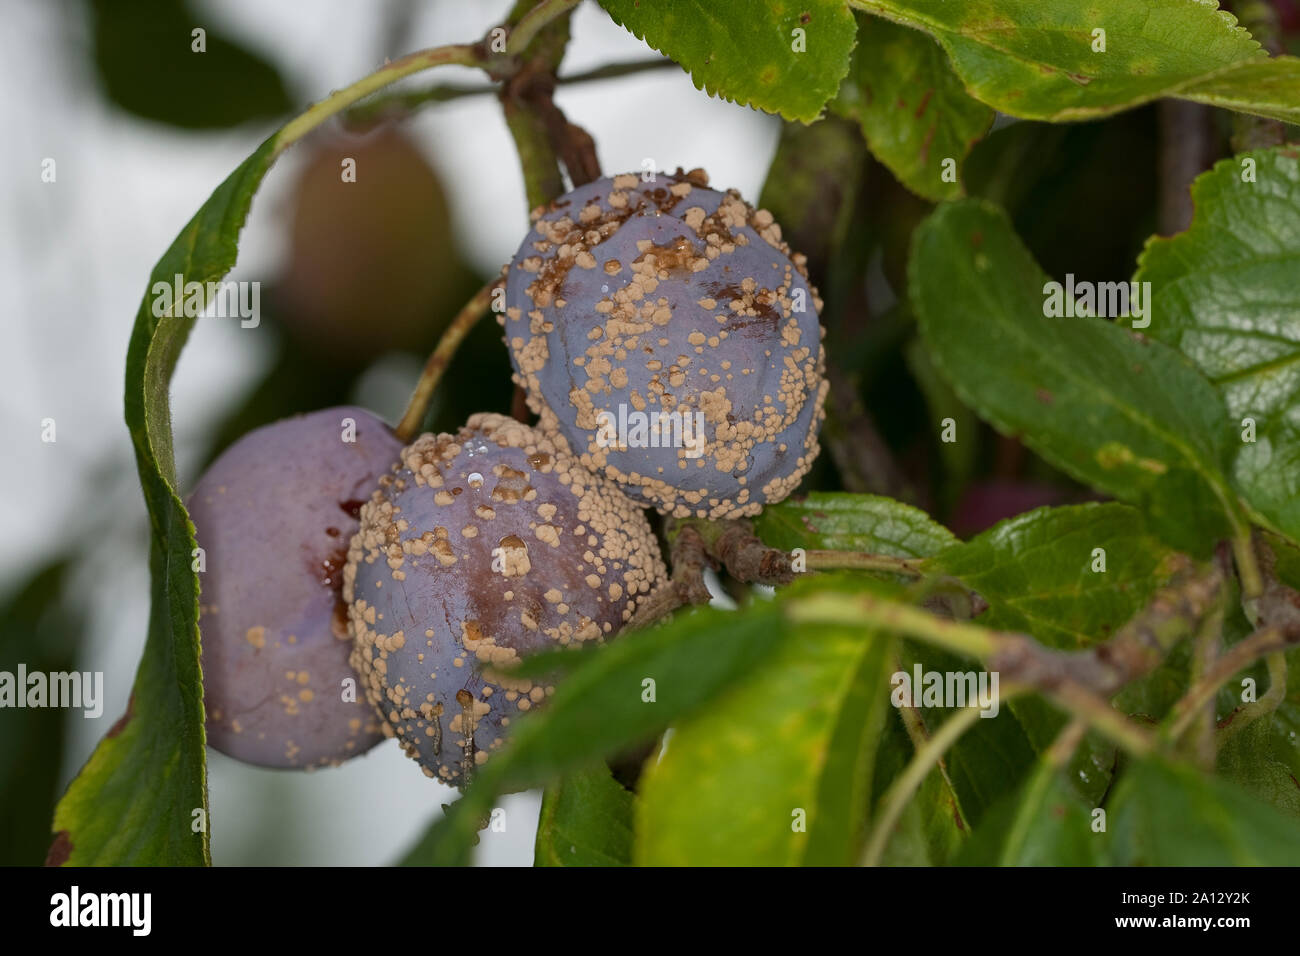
point(861, 561)
point(690, 556)
point(459, 54)
point(532, 23)
point(405, 102)
point(440, 358)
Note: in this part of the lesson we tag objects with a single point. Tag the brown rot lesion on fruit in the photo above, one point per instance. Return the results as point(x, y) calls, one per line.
point(449, 591)
point(700, 311)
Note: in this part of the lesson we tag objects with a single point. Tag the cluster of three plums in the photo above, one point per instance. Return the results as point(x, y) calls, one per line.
point(356, 589)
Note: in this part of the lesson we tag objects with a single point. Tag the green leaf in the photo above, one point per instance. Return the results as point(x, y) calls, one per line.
point(1170, 815)
point(1091, 767)
point(960, 458)
point(132, 803)
point(586, 820)
point(1035, 58)
point(750, 53)
point(1286, 564)
point(1042, 824)
point(138, 42)
point(932, 829)
point(993, 755)
point(598, 709)
point(142, 795)
point(1131, 417)
point(839, 521)
point(777, 771)
point(1264, 759)
point(914, 112)
point(1263, 87)
point(992, 758)
point(1036, 571)
point(1225, 294)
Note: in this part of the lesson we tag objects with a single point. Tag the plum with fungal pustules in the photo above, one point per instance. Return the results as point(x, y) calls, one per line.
point(482, 548)
point(273, 515)
point(670, 338)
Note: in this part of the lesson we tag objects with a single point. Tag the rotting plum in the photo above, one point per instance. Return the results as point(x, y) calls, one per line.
point(671, 338)
point(482, 548)
point(273, 515)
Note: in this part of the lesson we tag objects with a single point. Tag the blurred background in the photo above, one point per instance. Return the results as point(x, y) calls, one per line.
point(356, 282)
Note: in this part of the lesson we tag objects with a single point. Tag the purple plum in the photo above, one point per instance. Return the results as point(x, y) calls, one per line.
point(482, 548)
point(273, 516)
point(670, 338)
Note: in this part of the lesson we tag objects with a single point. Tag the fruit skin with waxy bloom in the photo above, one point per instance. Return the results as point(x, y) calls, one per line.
point(482, 548)
point(669, 337)
point(273, 515)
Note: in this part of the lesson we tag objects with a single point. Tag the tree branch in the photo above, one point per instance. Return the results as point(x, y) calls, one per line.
point(689, 557)
point(534, 21)
point(1134, 651)
point(405, 102)
point(1080, 681)
point(1187, 149)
